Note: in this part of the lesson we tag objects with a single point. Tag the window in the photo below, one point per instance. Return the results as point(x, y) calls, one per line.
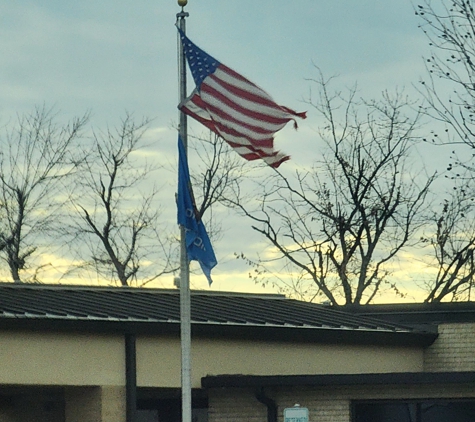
point(415, 411)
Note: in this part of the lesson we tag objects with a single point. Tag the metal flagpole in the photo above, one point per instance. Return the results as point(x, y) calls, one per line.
point(185, 302)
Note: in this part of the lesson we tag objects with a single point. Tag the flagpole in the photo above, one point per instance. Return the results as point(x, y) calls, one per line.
point(185, 296)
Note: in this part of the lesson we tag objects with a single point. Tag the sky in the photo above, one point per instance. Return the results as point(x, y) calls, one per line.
point(113, 56)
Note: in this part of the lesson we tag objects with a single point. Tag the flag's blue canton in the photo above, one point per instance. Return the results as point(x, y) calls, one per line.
point(198, 245)
point(201, 63)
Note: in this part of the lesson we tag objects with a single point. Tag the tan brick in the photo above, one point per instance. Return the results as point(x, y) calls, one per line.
point(325, 404)
point(453, 350)
point(95, 404)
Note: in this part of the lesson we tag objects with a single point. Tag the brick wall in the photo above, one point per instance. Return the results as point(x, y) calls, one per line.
point(95, 404)
point(83, 404)
point(325, 404)
point(333, 404)
point(113, 404)
point(238, 405)
point(454, 349)
point(235, 405)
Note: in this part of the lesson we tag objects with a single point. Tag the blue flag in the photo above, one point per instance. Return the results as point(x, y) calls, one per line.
point(198, 245)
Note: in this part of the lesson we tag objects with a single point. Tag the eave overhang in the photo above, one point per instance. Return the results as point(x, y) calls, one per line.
point(393, 378)
point(237, 331)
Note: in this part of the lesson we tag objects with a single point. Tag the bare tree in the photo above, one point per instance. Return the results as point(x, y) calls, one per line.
point(342, 222)
point(116, 202)
point(450, 94)
point(453, 244)
point(450, 28)
point(218, 171)
point(36, 156)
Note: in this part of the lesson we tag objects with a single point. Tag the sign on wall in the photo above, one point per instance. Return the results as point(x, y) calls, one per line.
point(296, 414)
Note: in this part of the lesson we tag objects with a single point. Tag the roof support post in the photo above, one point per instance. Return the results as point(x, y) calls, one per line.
point(130, 377)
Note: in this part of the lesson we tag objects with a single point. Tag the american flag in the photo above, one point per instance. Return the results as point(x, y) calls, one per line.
point(240, 112)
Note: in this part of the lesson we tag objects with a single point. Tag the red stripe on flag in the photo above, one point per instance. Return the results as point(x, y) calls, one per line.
point(254, 94)
point(230, 102)
point(254, 148)
point(254, 133)
point(258, 144)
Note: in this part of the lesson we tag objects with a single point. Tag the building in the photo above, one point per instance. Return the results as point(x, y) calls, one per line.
point(71, 354)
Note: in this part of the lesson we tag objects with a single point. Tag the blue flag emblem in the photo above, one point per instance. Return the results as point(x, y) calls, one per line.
point(198, 245)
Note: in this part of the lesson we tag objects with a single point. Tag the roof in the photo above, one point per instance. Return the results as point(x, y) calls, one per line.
point(71, 307)
point(417, 314)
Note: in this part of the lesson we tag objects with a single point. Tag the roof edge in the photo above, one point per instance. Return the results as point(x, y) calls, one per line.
point(246, 332)
point(392, 378)
point(50, 286)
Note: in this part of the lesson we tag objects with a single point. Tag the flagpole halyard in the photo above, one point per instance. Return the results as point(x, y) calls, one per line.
point(185, 295)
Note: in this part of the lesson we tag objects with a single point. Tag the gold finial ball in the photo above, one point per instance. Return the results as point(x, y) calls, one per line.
point(182, 3)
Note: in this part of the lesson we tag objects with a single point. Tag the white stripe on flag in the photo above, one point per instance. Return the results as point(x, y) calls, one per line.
point(276, 111)
point(245, 86)
point(270, 128)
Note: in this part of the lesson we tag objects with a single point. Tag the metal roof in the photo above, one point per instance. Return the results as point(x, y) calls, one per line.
point(417, 313)
point(42, 305)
